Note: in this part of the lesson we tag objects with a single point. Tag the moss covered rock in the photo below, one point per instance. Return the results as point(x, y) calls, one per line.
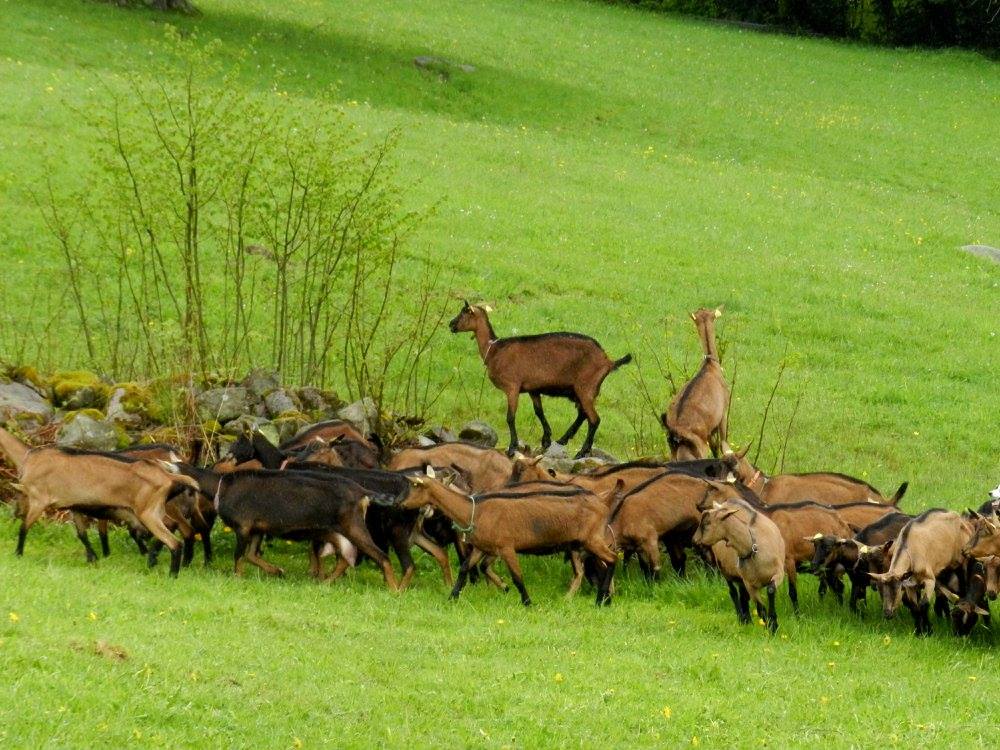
point(79, 389)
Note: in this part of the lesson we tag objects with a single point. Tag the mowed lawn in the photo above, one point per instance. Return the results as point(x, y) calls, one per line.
point(601, 170)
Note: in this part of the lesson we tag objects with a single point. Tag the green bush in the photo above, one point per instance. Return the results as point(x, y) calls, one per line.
point(967, 23)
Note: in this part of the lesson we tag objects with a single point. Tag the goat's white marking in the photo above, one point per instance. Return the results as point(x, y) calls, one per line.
point(995, 493)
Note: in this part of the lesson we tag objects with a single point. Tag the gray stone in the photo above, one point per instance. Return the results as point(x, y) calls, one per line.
point(117, 413)
point(248, 422)
point(88, 433)
point(556, 450)
point(18, 401)
point(425, 442)
point(223, 404)
point(362, 414)
point(441, 434)
point(278, 402)
point(983, 251)
point(261, 382)
point(441, 66)
point(312, 399)
point(479, 433)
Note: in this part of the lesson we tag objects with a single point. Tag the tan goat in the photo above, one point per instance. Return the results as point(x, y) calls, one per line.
point(825, 487)
point(485, 468)
point(759, 548)
point(52, 478)
point(930, 544)
point(696, 419)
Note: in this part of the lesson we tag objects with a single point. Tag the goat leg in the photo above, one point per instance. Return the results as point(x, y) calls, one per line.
point(439, 554)
point(102, 534)
point(577, 564)
point(512, 422)
point(253, 556)
point(536, 402)
point(509, 556)
point(81, 523)
point(575, 427)
point(471, 560)
point(772, 615)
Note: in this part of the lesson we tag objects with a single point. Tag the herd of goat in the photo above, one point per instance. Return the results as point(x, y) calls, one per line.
point(336, 489)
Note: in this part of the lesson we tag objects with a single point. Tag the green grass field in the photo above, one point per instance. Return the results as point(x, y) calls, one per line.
point(602, 170)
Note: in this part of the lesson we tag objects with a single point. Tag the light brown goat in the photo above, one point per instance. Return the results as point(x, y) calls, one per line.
point(696, 419)
point(825, 487)
point(566, 365)
point(53, 478)
point(485, 468)
point(759, 548)
point(930, 544)
point(504, 526)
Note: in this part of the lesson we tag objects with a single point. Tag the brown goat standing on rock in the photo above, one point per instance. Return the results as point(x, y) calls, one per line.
point(697, 416)
point(567, 365)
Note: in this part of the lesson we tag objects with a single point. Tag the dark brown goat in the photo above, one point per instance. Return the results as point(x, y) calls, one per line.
point(696, 419)
point(567, 365)
point(664, 508)
point(504, 526)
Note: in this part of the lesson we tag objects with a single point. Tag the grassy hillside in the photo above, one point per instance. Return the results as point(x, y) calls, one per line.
point(601, 170)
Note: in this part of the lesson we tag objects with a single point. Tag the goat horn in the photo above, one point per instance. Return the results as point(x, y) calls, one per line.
point(486, 308)
point(816, 537)
point(430, 472)
point(718, 312)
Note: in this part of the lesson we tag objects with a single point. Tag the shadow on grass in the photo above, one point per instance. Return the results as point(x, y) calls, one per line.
point(357, 68)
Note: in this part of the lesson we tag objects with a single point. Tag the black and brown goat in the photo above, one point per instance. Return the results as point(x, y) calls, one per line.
point(565, 365)
point(825, 487)
point(303, 506)
point(836, 555)
point(390, 526)
point(696, 420)
point(504, 526)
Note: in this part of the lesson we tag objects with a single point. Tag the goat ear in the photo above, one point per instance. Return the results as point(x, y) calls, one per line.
point(726, 513)
point(467, 305)
point(909, 583)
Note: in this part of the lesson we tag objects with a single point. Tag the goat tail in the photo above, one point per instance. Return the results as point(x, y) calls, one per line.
point(15, 450)
point(619, 362)
point(894, 500)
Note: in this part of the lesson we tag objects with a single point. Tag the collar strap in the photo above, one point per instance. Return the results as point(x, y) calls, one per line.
point(463, 530)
